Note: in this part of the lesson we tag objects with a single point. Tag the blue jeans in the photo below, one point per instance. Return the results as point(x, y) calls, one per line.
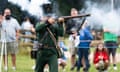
point(83, 52)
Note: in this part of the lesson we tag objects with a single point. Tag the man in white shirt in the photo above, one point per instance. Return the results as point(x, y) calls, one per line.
point(10, 34)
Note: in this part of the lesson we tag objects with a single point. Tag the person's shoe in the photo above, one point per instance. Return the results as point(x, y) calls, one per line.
point(100, 71)
point(85, 70)
point(64, 70)
point(33, 67)
point(6, 68)
point(78, 70)
point(109, 67)
point(46, 70)
point(105, 71)
point(72, 68)
point(14, 68)
point(115, 67)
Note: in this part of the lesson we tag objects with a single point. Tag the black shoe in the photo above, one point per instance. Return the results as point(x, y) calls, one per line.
point(85, 70)
point(72, 68)
point(78, 70)
point(100, 70)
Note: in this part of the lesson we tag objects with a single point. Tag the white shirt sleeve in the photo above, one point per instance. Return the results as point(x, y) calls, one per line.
point(77, 41)
point(70, 38)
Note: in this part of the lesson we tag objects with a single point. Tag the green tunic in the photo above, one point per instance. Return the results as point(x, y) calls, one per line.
point(48, 56)
point(57, 30)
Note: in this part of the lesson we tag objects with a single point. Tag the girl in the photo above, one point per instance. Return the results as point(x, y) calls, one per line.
point(101, 58)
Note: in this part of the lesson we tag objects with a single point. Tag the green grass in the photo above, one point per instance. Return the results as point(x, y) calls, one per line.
point(92, 69)
point(25, 63)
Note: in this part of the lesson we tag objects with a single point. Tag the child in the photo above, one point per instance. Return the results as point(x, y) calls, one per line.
point(73, 45)
point(101, 58)
point(62, 60)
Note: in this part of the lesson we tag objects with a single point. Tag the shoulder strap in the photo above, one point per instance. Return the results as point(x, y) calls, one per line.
point(45, 34)
point(52, 36)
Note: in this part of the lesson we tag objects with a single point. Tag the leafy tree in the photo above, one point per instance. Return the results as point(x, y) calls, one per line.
point(66, 5)
point(18, 13)
point(2, 5)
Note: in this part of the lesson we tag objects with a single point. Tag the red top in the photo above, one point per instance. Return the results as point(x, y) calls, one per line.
point(104, 55)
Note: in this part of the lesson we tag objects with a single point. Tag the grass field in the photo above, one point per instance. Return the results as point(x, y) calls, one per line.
point(25, 63)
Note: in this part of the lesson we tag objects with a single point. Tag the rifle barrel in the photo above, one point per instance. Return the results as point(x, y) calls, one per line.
point(78, 16)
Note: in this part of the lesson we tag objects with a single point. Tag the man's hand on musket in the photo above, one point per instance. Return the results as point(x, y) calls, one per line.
point(51, 20)
point(60, 20)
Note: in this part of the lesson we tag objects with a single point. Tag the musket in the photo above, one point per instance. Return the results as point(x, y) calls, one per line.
point(78, 16)
point(24, 30)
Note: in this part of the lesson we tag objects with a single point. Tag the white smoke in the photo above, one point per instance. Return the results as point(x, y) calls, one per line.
point(103, 14)
point(33, 6)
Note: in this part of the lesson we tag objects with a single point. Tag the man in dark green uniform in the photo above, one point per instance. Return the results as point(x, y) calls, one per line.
point(48, 53)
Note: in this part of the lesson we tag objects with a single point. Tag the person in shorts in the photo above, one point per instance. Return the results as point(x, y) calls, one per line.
point(74, 41)
point(110, 40)
point(9, 36)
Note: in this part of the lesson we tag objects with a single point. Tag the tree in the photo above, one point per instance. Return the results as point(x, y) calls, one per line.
point(66, 5)
point(2, 5)
point(18, 13)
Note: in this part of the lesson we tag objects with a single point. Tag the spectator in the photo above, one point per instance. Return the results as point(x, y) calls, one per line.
point(73, 23)
point(62, 61)
point(74, 41)
point(11, 29)
point(110, 39)
point(101, 58)
point(84, 47)
point(28, 27)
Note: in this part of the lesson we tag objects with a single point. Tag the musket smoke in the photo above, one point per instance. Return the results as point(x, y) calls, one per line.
point(33, 6)
point(104, 15)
